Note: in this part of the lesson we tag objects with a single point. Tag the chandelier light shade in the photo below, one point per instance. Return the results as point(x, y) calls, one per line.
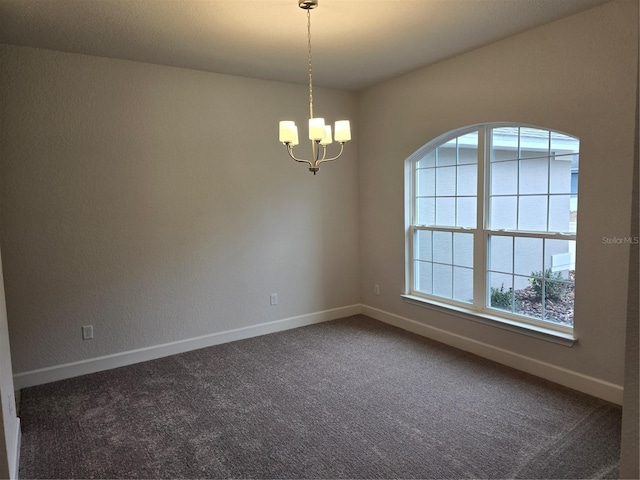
point(320, 133)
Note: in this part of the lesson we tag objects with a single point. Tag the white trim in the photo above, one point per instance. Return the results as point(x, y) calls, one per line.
point(107, 362)
point(530, 329)
point(14, 460)
point(563, 376)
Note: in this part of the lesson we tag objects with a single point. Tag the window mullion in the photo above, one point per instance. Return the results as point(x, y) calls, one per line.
point(549, 183)
point(480, 238)
point(411, 271)
point(513, 268)
point(543, 298)
point(519, 161)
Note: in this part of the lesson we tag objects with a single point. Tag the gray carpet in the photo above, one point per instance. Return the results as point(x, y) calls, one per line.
point(353, 398)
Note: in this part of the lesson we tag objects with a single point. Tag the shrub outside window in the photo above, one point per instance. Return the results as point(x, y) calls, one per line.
point(493, 223)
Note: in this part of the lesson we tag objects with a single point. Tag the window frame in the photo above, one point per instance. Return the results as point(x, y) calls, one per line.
point(479, 308)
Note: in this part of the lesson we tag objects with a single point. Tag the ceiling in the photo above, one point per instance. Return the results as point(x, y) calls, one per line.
point(355, 43)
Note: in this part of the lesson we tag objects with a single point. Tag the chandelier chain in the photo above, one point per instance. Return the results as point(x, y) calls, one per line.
point(310, 68)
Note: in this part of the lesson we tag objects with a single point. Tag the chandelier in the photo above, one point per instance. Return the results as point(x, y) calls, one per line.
point(319, 133)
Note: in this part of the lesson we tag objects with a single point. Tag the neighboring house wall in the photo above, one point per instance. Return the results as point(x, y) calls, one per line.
point(156, 204)
point(577, 76)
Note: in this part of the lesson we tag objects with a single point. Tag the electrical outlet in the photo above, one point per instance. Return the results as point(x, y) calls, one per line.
point(87, 332)
point(376, 289)
point(273, 298)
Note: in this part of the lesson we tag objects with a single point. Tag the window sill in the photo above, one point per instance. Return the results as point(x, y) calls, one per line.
point(547, 334)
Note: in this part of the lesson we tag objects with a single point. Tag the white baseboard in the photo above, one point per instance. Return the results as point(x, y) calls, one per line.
point(93, 365)
point(569, 378)
point(563, 376)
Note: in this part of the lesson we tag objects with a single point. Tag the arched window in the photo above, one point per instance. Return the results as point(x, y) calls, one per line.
point(492, 222)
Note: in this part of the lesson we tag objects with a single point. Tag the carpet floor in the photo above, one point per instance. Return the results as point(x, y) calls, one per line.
point(352, 398)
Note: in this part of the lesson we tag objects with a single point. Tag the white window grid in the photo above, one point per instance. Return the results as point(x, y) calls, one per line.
point(481, 235)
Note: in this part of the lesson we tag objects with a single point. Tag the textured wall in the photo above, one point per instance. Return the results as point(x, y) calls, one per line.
point(156, 204)
point(576, 75)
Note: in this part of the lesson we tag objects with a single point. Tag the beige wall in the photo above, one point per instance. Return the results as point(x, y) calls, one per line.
point(576, 75)
point(156, 204)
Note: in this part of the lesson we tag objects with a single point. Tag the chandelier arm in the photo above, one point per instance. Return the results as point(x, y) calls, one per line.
point(333, 158)
point(316, 152)
point(290, 152)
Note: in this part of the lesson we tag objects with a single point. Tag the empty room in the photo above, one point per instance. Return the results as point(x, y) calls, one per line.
point(199, 283)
